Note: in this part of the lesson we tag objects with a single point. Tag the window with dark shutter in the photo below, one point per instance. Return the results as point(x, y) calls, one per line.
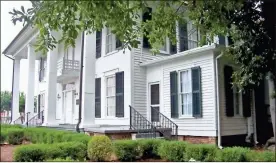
point(118, 43)
point(229, 94)
point(221, 40)
point(246, 101)
point(174, 94)
point(98, 98)
point(40, 69)
point(172, 48)
point(120, 94)
point(146, 16)
point(196, 90)
point(183, 37)
point(98, 44)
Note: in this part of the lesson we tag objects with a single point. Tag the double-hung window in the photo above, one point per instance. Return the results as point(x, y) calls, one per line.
point(237, 101)
point(110, 95)
point(185, 93)
point(188, 36)
point(112, 43)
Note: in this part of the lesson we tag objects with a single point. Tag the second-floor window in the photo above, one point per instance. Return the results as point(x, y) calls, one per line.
point(42, 69)
point(188, 36)
point(112, 43)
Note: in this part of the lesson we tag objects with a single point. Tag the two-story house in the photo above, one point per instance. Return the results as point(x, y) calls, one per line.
point(184, 91)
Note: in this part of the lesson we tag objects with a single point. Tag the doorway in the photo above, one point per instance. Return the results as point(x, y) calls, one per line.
point(68, 106)
point(154, 94)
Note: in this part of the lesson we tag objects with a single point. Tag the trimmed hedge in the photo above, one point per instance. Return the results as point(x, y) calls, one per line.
point(126, 150)
point(149, 147)
point(15, 136)
point(201, 152)
point(3, 136)
point(99, 148)
point(172, 151)
point(42, 152)
point(233, 154)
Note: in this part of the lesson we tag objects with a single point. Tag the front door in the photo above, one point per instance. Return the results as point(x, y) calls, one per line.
point(154, 102)
point(68, 107)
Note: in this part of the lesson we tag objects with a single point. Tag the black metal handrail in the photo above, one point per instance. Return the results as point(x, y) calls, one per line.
point(36, 120)
point(20, 120)
point(163, 123)
point(139, 123)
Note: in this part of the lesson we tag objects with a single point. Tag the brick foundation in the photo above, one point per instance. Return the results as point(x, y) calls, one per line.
point(198, 139)
point(112, 136)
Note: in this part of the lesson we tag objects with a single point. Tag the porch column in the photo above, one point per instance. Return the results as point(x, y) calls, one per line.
point(51, 89)
point(29, 102)
point(88, 90)
point(15, 92)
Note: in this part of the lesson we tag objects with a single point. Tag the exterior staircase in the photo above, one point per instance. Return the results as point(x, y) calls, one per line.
point(161, 127)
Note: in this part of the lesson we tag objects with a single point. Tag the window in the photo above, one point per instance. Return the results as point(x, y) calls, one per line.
point(42, 101)
point(112, 43)
point(185, 93)
point(110, 95)
point(42, 71)
point(188, 36)
point(237, 101)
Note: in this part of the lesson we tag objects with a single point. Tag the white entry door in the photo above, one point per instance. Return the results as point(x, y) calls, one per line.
point(68, 107)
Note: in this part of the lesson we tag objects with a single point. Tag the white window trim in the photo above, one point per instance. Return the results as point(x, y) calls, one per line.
point(106, 97)
point(179, 94)
point(149, 98)
point(113, 43)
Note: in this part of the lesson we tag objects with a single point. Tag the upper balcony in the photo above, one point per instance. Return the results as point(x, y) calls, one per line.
point(67, 70)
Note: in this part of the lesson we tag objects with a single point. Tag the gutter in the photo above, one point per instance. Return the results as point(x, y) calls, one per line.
point(12, 83)
point(217, 103)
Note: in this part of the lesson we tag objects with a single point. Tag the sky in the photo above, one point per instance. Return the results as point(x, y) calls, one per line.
point(8, 32)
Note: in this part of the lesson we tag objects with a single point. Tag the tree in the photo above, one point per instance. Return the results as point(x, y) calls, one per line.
point(22, 102)
point(249, 23)
point(5, 101)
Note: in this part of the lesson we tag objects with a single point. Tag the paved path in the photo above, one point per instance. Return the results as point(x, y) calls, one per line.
point(6, 152)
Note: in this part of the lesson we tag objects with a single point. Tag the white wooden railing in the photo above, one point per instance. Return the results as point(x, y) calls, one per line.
point(67, 65)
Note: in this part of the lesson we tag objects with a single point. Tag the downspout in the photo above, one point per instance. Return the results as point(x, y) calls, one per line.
point(12, 83)
point(217, 104)
point(80, 88)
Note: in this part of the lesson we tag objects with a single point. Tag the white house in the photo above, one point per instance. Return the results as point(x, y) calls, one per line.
point(185, 86)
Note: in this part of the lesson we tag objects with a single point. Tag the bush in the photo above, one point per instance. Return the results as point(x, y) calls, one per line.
point(99, 148)
point(257, 156)
point(172, 150)
point(3, 136)
point(8, 126)
point(233, 154)
point(67, 159)
point(15, 136)
point(30, 153)
point(149, 147)
point(126, 150)
point(76, 150)
point(201, 152)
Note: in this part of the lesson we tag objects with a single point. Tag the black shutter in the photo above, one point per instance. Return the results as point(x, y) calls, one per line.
point(196, 89)
point(118, 43)
point(120, 94)
point(229, 95)
point(38, 105)
point(183, 36)
point(98, 98)
point(147, 16)
point(221, 40)
point(40, 69)
point(174, 94)
point(246, 101)
point(98, 44)
point(172, 48)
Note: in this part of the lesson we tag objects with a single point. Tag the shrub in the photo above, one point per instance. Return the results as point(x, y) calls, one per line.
point(15, 136)
point(200, 152)
point(76, 150)
point(99, 148)
point(149, 147)
point(30, 153)
point(233, 154)
point(67, 159)
point(172, 150)
point(3, 136)
point(8, 126)
point(126, 150)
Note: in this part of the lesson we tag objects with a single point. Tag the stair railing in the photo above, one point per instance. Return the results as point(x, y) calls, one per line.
point(163, 123)
point(139, 123)
point(36, 120)
point(20, 120)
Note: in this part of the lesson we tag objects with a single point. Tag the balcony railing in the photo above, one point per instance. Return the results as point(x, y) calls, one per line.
point(67, 65)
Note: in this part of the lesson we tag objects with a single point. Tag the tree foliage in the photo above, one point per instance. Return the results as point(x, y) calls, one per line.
point(246, 21)
point(6, 101)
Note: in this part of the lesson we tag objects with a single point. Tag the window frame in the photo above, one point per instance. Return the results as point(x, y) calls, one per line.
point(113, 42)
point(180, 112)
point(110, 96)
point(189, 35)
point(238, 95)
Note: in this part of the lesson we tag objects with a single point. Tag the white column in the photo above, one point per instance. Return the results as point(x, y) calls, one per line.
point(15, 92)
point(88, 89)
point(51, 89)
point(29, 102)
point(272, 106)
